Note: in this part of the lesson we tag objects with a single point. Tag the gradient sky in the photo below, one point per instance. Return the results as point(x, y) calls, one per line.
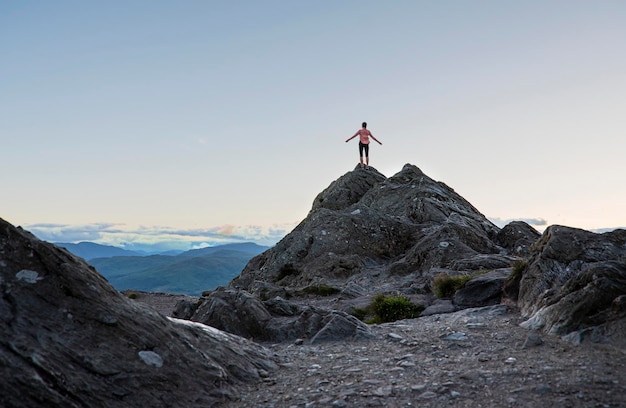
point(209, 121)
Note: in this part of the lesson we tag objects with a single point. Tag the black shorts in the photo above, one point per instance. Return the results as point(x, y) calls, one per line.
point(365, 147)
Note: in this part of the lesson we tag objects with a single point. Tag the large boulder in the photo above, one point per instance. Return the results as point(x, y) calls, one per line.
point(234, 311)
point(276, 319)
point(482, 290)
point(69, 339)
point(327, 245)
point(347, 190)
point(517, 237)
point(574, 284)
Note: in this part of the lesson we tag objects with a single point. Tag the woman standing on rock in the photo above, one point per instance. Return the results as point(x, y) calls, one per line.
point(364, 143)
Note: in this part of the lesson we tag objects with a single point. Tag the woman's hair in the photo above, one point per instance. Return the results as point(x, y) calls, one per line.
point(364, 124)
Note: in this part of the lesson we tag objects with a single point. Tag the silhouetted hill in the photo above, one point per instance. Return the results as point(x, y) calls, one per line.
point(91, 250)
point(247, 247)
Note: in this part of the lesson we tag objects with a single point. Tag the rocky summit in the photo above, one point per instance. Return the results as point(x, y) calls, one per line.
point(367, 235)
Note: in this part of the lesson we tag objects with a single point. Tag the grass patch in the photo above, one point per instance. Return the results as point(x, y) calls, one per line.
point(360, 313)
point(518, 268)
point(511, 285)
point(445, 286)
point(388, 309)
point(392, 308)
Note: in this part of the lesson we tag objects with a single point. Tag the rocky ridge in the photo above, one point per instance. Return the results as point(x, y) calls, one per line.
point(367, 235)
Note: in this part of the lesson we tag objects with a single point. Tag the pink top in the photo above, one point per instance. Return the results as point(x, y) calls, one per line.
point(364, 136)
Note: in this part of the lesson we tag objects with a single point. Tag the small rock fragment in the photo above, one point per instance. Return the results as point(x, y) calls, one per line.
point(151, 358)
point(532, 340)
point(456, 337)
point(28, 276)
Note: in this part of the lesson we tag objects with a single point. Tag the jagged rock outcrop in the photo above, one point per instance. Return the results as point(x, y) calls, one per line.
point(344, 192)
point(68, 339)
point(574, 285)
point(517, 237)
point(276, 319)
point(403, 225)
point(367, 235)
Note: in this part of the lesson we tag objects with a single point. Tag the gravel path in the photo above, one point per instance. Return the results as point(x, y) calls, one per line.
point(472, 358)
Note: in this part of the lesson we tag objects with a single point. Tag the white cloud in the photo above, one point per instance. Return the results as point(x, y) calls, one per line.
point(126, 236)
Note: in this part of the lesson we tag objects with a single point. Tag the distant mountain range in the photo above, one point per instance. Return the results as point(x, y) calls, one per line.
point(90, 250)
point(190, 272)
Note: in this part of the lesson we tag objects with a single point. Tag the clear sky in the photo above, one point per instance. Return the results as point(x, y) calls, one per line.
point(210, 121)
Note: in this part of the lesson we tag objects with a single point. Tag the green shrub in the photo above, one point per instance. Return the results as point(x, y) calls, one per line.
point(132, 295)
point(392, 308)
point(388, 309)
point(518, 268)
point(445, 286)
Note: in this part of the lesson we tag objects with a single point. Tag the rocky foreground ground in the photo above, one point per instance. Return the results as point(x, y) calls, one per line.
point(472, 358)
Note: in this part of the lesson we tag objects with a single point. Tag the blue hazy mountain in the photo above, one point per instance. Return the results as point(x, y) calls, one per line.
point(91, 250)
point(190, 272)
point(247, 247)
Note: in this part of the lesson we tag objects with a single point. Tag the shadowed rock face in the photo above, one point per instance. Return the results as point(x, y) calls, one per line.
point(575, 285)
point(365, 235)
point(517, 237)
point(406, 224)
point(276, 319)
point(68, 339)
point(483, 290)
